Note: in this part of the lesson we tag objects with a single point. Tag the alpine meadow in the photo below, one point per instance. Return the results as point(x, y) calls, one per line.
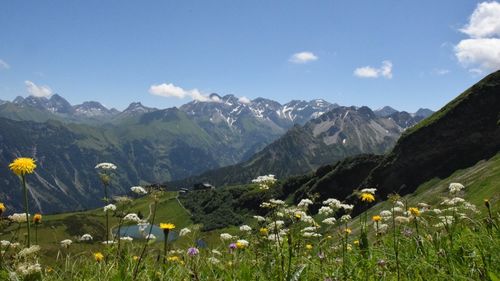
point(228, 140)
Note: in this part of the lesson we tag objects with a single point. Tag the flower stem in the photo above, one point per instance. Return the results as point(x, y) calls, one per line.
point(26, 208)
point(136, 270)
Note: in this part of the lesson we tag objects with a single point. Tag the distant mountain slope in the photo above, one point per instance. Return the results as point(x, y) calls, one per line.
point(339, 133)
point(459, 135)
point(463, 132)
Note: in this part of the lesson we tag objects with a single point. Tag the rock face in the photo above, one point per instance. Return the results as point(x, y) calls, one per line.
point(152, 145)
point(335, 135)
point(463, 132)
point(459, 135)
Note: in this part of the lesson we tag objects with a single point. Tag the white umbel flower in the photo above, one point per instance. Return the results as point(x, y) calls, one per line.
point(18, 217)
point(455, 187)
point(86, 237)
point(304, 203)
point(28, 251)
point(369, 190)
point(226, 236)
point(325, 210)
point(185, 231)
point(259, 218)
point(132, 217)
point(138, 190)
point(110, 207)
point(106, 166)
point(245, 228)
point(330, 221)
point(126, 239)
point(66, 243)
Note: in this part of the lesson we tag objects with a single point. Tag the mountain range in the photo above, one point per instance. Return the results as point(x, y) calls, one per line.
point(152, 145)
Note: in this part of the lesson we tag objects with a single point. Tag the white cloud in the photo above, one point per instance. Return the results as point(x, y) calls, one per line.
point(244, 100)
point(37, 91)
point(385, 70)
point(4, 65)
point(481, 52)
point(171, 91)
point(484, 21)
point(303, 57)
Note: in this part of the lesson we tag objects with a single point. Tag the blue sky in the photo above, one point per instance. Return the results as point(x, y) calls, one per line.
point(406, 54)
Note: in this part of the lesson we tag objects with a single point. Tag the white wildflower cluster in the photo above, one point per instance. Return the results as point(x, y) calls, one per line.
point(110, 207)
point(455, 187)
point(304, 203)
point(126, 239)
point(325, 210)
point(243, 242)
point(86, 237)
point(132, 217)
point(109, 242)
point(401, 219)
point(27, 269)
point(26, 252)
point(213, 260)
point(150, 237)
point(245, 228)
point(138, 190)
point(345, 218)
point(106, 166)
point(453, 201)
point(8, 244)
point(369, 190)
point(381, 228)
point(265, 182)
point(276, 224)
point(226, 236)
point(272, 203)
point(333, 203)
point(399, 204)
point(259, 218)
point(445, 221)
point(278, 237)
point(385, 214)
point(18, 217)
point(66, 243)
point(185, 231)
point(347, 207)
point(310, 234)
point(330, 221)
point(397, 210)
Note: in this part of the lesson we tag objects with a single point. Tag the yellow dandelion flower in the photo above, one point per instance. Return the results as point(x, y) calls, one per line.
point(135, 258)
point(298, 216)
point(348, 230)
point(356, 242)
point(2, 208)
point(263, 231)
point(23, 166)
point(37, 218)
point(167, 226)
point(376, 218)
point(98, 257)
point(309, 246)
point(487, 203)
point(367, 197)
point(414, 211)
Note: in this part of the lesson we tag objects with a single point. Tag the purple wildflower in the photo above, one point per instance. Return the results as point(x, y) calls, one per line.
point(232, 246)
point(193, 251)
